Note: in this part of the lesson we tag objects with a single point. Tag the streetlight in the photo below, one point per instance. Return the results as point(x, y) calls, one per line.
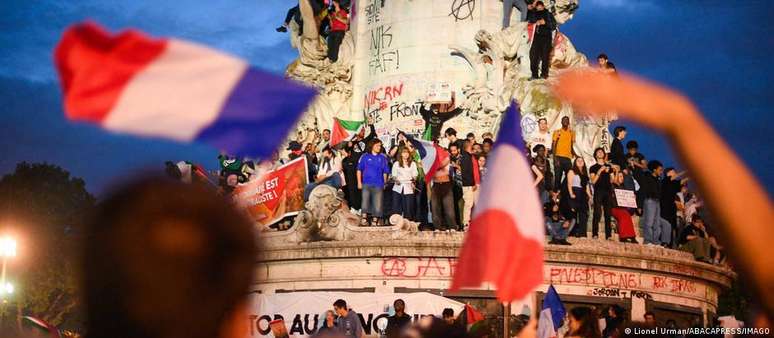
point(7, 250)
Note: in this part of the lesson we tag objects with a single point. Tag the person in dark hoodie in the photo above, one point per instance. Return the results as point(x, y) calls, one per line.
point(348, 323)
point(542, 41)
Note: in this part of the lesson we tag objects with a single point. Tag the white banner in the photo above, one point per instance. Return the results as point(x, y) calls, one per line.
point(625, 198)
point(304, 312)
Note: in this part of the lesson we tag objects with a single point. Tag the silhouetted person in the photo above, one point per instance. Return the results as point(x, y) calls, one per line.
point(542, 41)
point(399, 321)
point(167, 260)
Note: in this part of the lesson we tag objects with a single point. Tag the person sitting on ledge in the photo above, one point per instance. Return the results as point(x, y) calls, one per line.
point(558, 225)
point(694, 239)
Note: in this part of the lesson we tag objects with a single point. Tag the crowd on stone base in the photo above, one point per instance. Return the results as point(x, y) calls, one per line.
point(378, 181)
point(669, 213)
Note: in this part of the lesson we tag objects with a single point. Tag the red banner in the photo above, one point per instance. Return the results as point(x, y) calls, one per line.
point(278, 193)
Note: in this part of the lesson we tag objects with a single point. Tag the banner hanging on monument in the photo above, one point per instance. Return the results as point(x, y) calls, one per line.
point(277, 194)
point(304, 312)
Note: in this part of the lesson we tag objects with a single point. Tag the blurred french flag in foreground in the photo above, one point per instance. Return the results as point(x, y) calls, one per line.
point(504, 245)
point(132, 83)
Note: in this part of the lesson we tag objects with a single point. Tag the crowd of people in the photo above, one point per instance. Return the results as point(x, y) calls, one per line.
point(378, 181)
point(343, 322)
point(669, 214)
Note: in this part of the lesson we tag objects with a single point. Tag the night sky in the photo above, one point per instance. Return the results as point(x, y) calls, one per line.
point(718, 52)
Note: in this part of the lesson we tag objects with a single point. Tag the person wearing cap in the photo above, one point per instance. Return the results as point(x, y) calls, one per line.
point(295, 152)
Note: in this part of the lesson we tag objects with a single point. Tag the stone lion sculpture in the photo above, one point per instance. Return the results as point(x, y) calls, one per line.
point(325, 217)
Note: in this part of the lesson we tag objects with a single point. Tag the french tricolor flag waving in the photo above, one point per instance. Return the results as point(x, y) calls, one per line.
point(169, 88)
point(504, 244)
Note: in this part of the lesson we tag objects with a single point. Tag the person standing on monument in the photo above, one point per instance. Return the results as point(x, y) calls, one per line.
point(339, 24)
point(442, 199)
point(349, 167)
point(520, 5)
point(651, 222)
point(670, 187)
point(404, 175)
point(436, 116)
point(542, 42)
point(372, 171)
point(541, 136)
point(471, 180)
point(600, 176)
point(579, 194)
point(455, 172)
point(617, 155)
point(451, 135)
point(562, 145)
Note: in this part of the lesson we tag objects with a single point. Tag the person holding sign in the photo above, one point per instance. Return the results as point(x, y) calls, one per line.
point(621, 214)
point(436, 116)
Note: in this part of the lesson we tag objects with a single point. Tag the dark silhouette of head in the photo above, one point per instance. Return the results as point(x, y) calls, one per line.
point(165, 259)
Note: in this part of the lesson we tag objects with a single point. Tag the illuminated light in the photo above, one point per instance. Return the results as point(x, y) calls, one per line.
point(7, 247)
point(7, 288)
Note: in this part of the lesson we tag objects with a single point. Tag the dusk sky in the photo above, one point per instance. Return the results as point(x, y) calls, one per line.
point(718, 52)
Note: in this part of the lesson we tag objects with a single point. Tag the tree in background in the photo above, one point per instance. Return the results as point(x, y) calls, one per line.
point(45, 208)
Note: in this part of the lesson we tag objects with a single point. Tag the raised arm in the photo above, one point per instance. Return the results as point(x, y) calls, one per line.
point(744, 222)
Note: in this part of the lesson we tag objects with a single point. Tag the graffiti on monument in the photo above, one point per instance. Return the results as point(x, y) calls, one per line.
point(462, 9)
point(618, 293)
point(622, 280)
point(392, 110)
point(600, 282)
point(383, 56)
point(373, 11)
point(410, 267)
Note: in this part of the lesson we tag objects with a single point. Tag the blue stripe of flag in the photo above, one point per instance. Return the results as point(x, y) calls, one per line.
point(258, 114)
point(510, 128)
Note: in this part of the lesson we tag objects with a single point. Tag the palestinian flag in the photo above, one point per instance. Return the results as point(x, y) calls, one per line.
point(469, 317)
point(43, 326)
point(344, 130)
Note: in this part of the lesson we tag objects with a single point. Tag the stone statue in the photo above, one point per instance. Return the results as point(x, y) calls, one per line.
point(501, 68)
point(325, 217)
point(313, 67)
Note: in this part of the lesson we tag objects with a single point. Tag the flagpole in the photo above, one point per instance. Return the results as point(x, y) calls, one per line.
point(506, 320)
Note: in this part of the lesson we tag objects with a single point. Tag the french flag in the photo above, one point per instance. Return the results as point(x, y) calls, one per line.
point(552, 315)
point(431, 154)
point(504, 245)
point(132, 83)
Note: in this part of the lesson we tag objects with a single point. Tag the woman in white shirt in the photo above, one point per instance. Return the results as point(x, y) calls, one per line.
point(404, 174)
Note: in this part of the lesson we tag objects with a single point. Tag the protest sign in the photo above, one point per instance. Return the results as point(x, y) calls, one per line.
point(276, 194)
point(625, 198)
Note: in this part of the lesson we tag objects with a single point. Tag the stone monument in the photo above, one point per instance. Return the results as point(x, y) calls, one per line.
point(397, 51)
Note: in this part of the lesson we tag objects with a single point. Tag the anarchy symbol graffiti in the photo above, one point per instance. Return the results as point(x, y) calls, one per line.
point(394, 267)
point(463, 9)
